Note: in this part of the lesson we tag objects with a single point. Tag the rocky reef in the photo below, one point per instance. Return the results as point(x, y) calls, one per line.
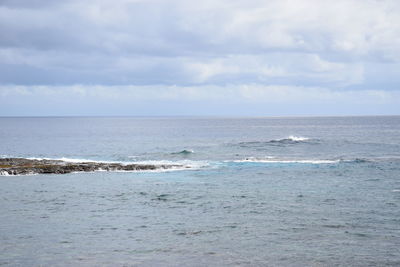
point(22, 166)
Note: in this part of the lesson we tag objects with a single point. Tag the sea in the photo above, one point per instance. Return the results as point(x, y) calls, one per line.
point(265, 191)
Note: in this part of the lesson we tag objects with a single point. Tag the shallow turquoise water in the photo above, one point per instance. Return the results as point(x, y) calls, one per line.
point(261, 191)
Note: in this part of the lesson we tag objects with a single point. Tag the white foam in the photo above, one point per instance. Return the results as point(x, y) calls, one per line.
point(5, 173)
point(298, 138)
point(185, 164)
point(171, 169)
point(74, 160)
point(63, 159)
point(274, 160)
point(149, 162)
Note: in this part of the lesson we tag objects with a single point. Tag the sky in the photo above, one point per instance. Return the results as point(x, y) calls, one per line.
point(209, 57)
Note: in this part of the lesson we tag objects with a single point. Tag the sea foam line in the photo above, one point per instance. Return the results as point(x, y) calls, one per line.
point(273, 160)
point(192, 164)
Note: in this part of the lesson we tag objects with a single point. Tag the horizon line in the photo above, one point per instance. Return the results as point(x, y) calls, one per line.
point(197, 116)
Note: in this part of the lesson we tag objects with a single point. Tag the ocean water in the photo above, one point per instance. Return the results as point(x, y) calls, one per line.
point(260, 192)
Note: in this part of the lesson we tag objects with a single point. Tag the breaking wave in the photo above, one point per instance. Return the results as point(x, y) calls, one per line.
point(187, 164)
point(290, 140)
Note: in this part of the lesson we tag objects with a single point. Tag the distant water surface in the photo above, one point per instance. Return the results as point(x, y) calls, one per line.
point(260, 191)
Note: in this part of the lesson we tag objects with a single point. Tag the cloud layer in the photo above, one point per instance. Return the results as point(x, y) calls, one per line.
point(276, 49)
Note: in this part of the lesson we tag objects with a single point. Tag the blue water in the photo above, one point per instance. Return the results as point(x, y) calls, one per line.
point(260, 192)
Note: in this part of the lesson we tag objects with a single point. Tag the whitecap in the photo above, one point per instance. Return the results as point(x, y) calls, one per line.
point(298, 138)
point(4, 173)
point(291, 138)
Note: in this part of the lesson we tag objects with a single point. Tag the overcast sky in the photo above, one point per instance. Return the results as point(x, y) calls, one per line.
point(209, 57)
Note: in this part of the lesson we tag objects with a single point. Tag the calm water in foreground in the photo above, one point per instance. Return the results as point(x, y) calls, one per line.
point(260, 192)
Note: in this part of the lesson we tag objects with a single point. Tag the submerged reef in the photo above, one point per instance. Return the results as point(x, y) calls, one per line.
point(23, 166)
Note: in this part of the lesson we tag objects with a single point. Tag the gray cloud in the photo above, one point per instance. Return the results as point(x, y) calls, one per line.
point(338, 45)
point(28, 4)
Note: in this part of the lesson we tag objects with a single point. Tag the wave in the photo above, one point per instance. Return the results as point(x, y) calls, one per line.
point(272, 160)
point(192, 164)
point(187, 163)
point(357, 160)
point(183, 152)
point(4, 173)
point(290, 140)
point(167, 165)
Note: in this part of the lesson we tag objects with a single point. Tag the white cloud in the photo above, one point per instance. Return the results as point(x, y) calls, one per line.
point(256, 51)
point(354, 27)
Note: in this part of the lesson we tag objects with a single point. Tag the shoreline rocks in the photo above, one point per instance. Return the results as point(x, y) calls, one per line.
point(23, 166)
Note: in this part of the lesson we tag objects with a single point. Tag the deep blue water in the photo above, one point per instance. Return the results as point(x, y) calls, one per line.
point(260, 192)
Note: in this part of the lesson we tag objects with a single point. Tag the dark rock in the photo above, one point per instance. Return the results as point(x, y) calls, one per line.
point(22, 166)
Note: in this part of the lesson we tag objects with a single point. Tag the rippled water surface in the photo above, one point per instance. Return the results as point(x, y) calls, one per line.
point(259, 192)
